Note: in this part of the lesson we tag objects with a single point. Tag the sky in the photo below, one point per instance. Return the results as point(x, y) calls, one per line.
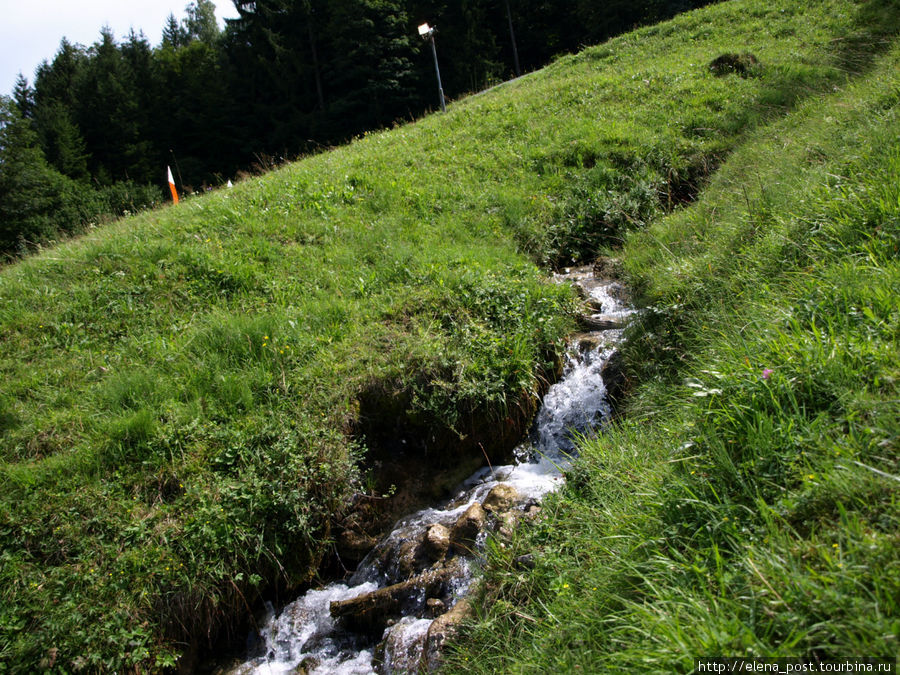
point(30, 30)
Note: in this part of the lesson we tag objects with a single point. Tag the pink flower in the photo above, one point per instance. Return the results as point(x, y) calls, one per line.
point(767, 373)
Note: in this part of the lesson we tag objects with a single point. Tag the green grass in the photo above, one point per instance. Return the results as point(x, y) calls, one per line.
point(747, 505)
point(184, 390)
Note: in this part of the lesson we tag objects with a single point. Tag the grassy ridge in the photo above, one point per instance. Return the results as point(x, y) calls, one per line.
point(181, 389)
point(749, 503)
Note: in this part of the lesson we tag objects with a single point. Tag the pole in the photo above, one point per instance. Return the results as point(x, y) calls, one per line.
point(512, 37)
point(438, 71)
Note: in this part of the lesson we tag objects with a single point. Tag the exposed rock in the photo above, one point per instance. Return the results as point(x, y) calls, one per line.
point(532, 512)
point(508, 521)
point(353, 546)
point(606, 267)
point(613, 374)
point(467, 527)
point(502, 497)
point(441, 629)
point(435, 606)
point(437, 541)
point(401, 558)
point(306, 665)
point(619, 292)
point(590, 341)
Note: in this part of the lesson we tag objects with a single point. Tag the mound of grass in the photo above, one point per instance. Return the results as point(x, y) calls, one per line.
point(748, 503)
point(184, 390)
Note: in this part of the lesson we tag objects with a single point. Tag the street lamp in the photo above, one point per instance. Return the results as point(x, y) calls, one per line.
point(427, 33)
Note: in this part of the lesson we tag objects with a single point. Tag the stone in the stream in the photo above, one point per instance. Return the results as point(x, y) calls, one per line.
point(403, 645)
point(502, 497)
point(613, 374)
point(605, 267)
point(437, 541)
point(441, 629)
point(507, 522)
point(435, 607)
point(410, 558)
point(467, 527)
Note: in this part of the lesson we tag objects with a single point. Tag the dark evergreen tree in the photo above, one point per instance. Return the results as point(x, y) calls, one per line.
point(144, 89)
point(369, 67)
point(56, 109)
point(108, 114)
point(61, 140)
point(174, 35)
point(193, 111)
point(23, 95)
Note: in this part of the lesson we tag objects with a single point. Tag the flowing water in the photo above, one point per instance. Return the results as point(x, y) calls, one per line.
point(304, 637)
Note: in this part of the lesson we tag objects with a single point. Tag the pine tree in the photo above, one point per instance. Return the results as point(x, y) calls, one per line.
point(109, 115)
point(56, 109)
point(148, 111)
point(369, 69)
point(61, 140)
point(23, 95)
point(174, 35)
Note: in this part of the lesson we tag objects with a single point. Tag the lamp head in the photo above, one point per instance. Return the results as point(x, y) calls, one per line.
point(425, 30)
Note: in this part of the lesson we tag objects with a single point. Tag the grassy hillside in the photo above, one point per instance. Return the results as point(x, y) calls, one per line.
point(747, 505)
point(188, 395)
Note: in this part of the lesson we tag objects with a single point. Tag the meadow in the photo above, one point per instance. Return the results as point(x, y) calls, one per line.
point(190, 395)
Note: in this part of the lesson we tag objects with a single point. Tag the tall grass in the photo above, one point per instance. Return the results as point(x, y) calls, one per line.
point(747, 505)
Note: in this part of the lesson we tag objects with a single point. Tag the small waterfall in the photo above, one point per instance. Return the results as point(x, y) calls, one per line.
point(408, 584)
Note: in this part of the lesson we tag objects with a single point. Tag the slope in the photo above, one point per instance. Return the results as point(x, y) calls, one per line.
point(190, 394)
point(747, 504)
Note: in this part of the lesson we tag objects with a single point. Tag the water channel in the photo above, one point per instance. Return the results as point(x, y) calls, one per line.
point(385, 617)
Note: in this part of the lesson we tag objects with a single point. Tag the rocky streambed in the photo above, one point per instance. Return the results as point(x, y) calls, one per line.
point(393, 614)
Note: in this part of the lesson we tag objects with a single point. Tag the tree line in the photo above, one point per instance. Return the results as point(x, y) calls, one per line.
point(91, 136)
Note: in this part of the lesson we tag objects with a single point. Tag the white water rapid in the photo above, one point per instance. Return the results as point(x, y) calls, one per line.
point(306, 638)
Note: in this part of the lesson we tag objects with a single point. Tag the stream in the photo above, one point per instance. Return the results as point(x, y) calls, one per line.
point(393, 613)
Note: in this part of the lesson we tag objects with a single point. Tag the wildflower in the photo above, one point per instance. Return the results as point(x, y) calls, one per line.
point(767, 373)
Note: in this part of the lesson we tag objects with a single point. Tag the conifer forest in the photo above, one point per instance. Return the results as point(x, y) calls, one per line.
point(90, 135)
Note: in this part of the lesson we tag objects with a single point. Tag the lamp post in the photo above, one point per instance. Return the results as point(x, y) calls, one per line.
point(427, 33)
point(512, 38)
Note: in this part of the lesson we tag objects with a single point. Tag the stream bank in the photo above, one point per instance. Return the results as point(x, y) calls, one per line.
point(394, 612)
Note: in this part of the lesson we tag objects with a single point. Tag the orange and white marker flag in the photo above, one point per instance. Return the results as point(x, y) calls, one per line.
point(172, 186)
